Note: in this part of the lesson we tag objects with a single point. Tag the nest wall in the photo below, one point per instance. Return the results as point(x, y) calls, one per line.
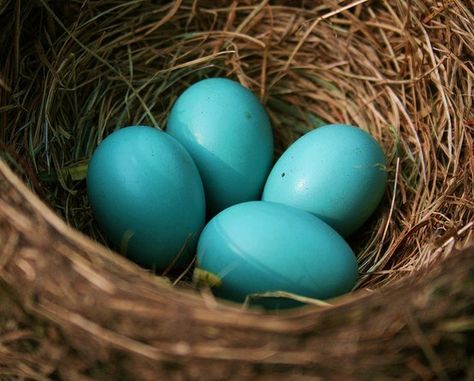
point(72, 73)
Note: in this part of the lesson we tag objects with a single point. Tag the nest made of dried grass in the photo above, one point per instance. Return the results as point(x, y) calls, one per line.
point(72, 72)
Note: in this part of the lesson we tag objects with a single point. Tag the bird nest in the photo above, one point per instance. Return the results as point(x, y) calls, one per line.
point(71, 72)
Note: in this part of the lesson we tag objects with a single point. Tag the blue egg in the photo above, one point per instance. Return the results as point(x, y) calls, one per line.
point(257, 247)
point(147, 196)
point(228, 134)
point(337, 172)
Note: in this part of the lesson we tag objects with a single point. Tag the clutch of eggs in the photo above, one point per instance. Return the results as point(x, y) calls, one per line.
point(150, 190)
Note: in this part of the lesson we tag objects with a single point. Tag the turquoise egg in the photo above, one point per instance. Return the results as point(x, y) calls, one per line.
point(258, 246)
point(227, 132)
point(147, 196)
point(337, 172)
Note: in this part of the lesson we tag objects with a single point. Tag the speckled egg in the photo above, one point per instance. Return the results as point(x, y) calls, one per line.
point(258, 247)
point(147, 196)
point(227, 132)
point(337, 172)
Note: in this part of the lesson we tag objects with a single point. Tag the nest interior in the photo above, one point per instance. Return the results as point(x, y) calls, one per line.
point(72, 73)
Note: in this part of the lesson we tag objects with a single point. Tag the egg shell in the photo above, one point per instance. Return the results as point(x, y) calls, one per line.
point(259, 246)
point(227, 132)
point(147, 195)
point(337, 172)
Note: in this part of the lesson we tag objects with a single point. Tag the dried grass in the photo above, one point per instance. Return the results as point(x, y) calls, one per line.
point(403, 70)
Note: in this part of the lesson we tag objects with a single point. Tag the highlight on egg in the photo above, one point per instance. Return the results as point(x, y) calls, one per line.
point(336, 172)
point(259, 247)
point(227, 132)
point(147, 196)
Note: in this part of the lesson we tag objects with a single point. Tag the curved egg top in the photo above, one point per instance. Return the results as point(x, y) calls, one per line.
point(259, 246)
point(147, 195)
point(337, 172)
point(228, 134)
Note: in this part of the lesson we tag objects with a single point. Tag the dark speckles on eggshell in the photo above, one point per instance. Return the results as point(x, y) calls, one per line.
point(337, 173)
